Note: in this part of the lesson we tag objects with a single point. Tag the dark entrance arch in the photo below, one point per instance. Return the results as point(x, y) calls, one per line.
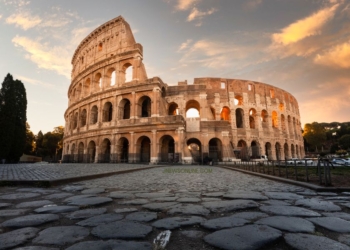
point(215, 150)
point(91, 152)
point(144, 145)
point(268, 151)
point(255, 150)
point(105, 151)
point(123, 150)
point(195, 148)
point(81, 152)
point(167, 149)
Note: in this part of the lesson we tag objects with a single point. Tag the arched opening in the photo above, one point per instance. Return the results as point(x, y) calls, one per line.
point(107, 112)
point(145, 106)
point(83, 115)
point(241, 151)
point(144, 149)
point(195, 148)
point(163, 92)
point(213, 113)
point(123, 150)
point(105, 155)
point(98, 82)
point(252, 114)
point(239, 118)
point(81, 152)
point(192, 109)
point(268, 150)
point(292, 151)
point(286, 151)
point(215, 150)
point(225, 114)
point(94, 115)
point(167, 148)
point(75, 121)
point(127, 73)
point(87, 87)
point(278, 151)
point(274, 119)
point(283, 123)
point(78, 92)
point(124, 109)
point(173, 109)
point(255, 150)
point(111, 77)
point(91, 152)
point(238, 101)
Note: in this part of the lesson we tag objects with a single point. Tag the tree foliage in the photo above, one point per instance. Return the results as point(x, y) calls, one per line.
point(13, 118)
point(50, 144)
point(344, 141)
point(30, 141)
point(314, 134)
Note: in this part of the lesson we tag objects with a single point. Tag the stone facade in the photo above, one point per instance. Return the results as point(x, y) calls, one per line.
point(117, 114)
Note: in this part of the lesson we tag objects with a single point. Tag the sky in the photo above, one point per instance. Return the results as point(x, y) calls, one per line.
point(301, 46)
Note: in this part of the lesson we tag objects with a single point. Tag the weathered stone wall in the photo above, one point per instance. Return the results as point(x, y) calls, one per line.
point(141, 119)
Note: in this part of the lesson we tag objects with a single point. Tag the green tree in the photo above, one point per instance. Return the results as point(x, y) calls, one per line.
point(30, 141)
point(13, 118)
point(39, 143)
point(344, 141)
point(314, 134)
point(52, 142)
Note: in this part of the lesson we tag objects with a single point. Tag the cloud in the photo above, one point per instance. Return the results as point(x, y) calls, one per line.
point(306, 27)
point(337, 56)
point(18, 3)
point(251, 5)
point(33, 81)
point(45, 56)
point(24, 20)
point(184, 45)
point(196, 14)
point(186, 4)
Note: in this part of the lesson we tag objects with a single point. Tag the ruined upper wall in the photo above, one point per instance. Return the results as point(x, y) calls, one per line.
point(112, 38)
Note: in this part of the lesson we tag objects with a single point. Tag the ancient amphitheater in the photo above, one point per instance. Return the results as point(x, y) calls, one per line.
point(117, 114)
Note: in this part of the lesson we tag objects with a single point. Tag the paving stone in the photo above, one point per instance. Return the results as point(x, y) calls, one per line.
point(224, 222)
point(276, 203)
point(56, 209)
point(121, 195)
point(214, 194)
point(153, 195)
point(289, 211)
point(311, 242)
point(61, 235)
point(338, 198)
point(318, 204)
point(100, 219)
point(211, 199)
point(3, 205)
point(73, 188)
point(142, 216)
point(121, 230)
point(37, 248)
point(188, 209)
point(307, 193)
point(174, 198)
point(192, 234)
point(231, 205)
point(86, 213)
point(159, 206)
point(135, 202)
point(77, 197)
point(290, 224)
point(332, 223)
point(327, 194)
point(247, 195)
point(111, 244)
point(93, 191)
point(345, 193)
point(30, 204)
point(12, 212)
point(58, 196)
point(31, 220)
point(346, 205)
point(17, 237)
point(176, 222)
point(188, 199)
point(37, 190)
point(341, 215)
point(250, 215)
point(125, 210)
point(344, 238)
point(283, 196)
point(19, 196)
point(245, 238)
point(90, 201)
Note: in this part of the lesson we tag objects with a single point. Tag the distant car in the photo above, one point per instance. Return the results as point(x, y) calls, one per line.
point(341, 161)
point(292, 161)
point(308, 161)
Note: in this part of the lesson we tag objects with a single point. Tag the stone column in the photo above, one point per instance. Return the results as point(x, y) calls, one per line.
point(133, 106)
point(132, 147)
point(154, 153)
point(96, 154)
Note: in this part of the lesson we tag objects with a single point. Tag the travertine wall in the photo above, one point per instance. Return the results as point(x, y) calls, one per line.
point(112, 118)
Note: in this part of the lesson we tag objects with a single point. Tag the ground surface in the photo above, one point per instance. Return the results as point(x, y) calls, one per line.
point(203, 207)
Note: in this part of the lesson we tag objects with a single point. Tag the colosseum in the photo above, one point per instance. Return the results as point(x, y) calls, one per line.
point(117, 114)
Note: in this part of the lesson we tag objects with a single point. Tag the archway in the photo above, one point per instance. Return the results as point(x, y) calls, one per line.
point(124, 109)
point(274, 119)
point(145, 106)
point(215, 150)
point(192, 109)
point(94, 115)
point(105, 155)
point(167, 148)
point(144, 149)
point(255, 150)
point(173, 109)
point(81, 152)
point(91, 152)
point(83, 118)
point(225, 114)
point(252, 114)
point(268, 150)
point(241, 151)
point(123, 150)
point(107, 112)
point(195, 148)
point(239, 118)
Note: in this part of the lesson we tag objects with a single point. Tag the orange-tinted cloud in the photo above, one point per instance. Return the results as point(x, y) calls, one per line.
point(185, 4)
point(337, 56)
point(24, 20)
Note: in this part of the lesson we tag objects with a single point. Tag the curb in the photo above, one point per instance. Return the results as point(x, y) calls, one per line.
point(293, 182)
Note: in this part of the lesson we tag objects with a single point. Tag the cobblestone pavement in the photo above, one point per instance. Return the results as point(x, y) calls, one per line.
point(202, 207)
point(58, 171)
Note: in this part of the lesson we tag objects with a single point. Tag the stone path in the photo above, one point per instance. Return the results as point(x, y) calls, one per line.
point(210, 209)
